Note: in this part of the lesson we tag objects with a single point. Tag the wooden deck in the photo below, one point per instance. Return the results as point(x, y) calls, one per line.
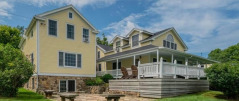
point(159, 88)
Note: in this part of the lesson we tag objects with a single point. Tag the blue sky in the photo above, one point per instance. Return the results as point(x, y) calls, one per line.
point(203, 24)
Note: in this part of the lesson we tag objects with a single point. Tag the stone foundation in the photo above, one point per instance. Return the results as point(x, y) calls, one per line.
point(96, 89)
point(129, 93)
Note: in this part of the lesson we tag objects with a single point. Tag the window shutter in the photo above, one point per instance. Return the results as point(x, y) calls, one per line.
point(61, 59)
point(32, 58)
point(79, 60)
point(172, 45)
point(175, 47)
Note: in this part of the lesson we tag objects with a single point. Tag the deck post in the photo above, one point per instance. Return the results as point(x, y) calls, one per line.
point(175, 62)
point(139, 70)
point(134, 60)
point(117, 67)
point(158, 63)
point(199, 68)
point(172, 59)
point(161, 68)
point(186, 64)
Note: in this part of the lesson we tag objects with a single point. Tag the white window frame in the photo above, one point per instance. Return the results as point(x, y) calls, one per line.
point(56, 28)
point(83, 34)
point(69, 15)
point(170, 43)
point(64, 60)
point(98, 54)
point(67, 33)
point(66, 84)
point(132, 40)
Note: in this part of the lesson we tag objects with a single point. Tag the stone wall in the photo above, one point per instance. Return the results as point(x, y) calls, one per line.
point(29, 85)
point(96, 89)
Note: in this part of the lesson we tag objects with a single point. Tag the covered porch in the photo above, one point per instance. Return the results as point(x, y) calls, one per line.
point(156, 62)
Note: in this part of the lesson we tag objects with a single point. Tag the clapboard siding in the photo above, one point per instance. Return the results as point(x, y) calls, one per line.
point(159, 88)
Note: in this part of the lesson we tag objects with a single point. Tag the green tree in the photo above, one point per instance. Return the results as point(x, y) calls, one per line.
point(15, 70)
point(9, 35)
point(226, 55)
point(21, 29)
point(103, 41)
point(225, 77)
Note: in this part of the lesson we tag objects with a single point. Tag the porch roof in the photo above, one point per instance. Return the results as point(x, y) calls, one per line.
point(152, 48)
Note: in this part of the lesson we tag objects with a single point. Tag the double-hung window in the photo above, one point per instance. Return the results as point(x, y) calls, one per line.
point(135, 40)
point(69, 60)
point(98, 53)
point(117, 46)
point(169, 42)
point(52, 27)
point(70, 31)
point(70, 15)
point(85, 35)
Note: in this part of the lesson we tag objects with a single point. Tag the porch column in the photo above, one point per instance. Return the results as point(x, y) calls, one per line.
point(186, 64)
point(139, 70)
point(158, 63)
point(161, 68)
point(172, 58)
point(199, 68)
point(175, 62)
point(134, 60)
point(117, 67)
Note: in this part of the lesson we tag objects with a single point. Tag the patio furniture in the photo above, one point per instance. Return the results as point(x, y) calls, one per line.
point(48, 93)
point(134, 72)
point(125, 73)
point(110, 97)
point(70, 96)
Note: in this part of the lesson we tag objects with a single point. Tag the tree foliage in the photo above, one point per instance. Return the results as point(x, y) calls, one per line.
point(225, 77)
point(21, 29)
point(103, 41)
point(226, 55)
point(15, 70)
point(9, 35)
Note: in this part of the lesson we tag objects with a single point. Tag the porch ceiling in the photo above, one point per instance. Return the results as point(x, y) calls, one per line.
point(151, 49)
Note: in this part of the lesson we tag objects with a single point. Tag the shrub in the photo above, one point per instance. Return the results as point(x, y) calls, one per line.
point(106, 78)
point(225, 77)
point(15, 70)
point(94, 81)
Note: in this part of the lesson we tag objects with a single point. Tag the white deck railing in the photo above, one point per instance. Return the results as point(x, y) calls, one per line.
point(157, 70)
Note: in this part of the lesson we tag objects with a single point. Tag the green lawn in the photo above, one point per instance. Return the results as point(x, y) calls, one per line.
point(24, 95)
point(203, 96)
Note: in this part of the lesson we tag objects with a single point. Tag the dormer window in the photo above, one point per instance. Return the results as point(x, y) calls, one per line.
point(135, 40)
point(70, 15)
point(117, 46)
point(169, 42)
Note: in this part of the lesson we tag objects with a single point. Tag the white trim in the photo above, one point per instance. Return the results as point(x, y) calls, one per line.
point(101, 48)
point(38, 51)
point(62, 74)
point(139, 31)
point(117, 36)
point(73, 32)
point(66, 7)
point(57, 26)
point(83, 34)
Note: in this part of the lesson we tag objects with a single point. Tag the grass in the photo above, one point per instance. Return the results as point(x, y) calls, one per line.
point(202, 96)
point(25, 95)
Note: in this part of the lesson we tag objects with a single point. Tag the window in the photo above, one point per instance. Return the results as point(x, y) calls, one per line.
point(52, 27)
point(85, 35)
point(135, 40)
point(70, 15)
point(31, 33)
point(98, 54)
point(99, 68)
point(169, 42)
point(115, 67)
point(179, 62)
point(136, 62)
point(154, 60)
point(69, 60)
point(117, 46)
point(32, 59)
point(33, 87)
point(67, 85)
point(70, 31)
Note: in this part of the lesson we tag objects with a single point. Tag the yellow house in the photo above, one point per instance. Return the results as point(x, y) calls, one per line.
point(61, 44)
point(145, 50)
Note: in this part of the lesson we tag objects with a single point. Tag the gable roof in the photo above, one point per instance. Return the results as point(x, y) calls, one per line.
point(147, 32)
point(105, 48)
point(117, 36)
point(67, 7)
point(159, 33)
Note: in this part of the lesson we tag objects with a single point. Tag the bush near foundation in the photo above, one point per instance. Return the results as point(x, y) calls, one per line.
point(15, 70)
point(106, 78)
point(94, 81)
point(225, 77)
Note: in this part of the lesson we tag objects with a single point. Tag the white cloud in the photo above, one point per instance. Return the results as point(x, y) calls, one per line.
point(77, 3)
point(206, 23)
point(5, 7)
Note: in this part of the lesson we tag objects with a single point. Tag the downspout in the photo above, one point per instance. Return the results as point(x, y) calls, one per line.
point(37, 26)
